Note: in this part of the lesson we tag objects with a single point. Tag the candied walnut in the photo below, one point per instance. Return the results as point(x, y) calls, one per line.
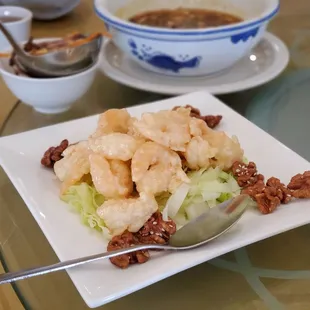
point(246, 175)
point(283, 193)
point(211, 120)
point(126, 240)
point(194, 111)
point(300, 185)
point(267, 201)
point(254, 189)
point(156, 230)
point(268, 196)
point(54, 154)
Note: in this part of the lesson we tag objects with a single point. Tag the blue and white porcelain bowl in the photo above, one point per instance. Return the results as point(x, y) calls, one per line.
point(191, 52)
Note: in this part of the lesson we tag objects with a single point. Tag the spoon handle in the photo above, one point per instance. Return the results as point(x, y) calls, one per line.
point(10, 38)
point(27, 273)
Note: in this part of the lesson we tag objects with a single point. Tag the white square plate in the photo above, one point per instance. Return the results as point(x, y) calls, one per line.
point(101, 282)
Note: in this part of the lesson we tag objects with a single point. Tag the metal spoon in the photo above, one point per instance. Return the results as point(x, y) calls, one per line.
point(197, 232)
point(63, 62)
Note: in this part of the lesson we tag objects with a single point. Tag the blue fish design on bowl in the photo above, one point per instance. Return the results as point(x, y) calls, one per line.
point(244, 36)
point(163, 61)
point(166, 62)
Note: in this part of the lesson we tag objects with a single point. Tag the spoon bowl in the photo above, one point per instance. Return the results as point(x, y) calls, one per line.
point(197, 232)
point(211, 224)
point(60, 63)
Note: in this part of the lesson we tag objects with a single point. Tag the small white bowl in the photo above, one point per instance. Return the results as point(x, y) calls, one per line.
point(49, 95)
point(44, 9)
point(19, 29)
point(186, 52)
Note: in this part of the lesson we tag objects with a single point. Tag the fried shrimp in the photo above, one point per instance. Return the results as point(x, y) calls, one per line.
point(73, 166)
point(111, 178)
point(198, 127)
point(127, 214)
point(228, 150)
point(114, 120)
point(198, 153)
point(185, 111)
point(156, 169)
point(132, 131)
point(168, 128)
point(115, 145)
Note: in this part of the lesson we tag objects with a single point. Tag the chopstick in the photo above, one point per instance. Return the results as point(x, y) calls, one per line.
point(5, 55)
point(72, 43)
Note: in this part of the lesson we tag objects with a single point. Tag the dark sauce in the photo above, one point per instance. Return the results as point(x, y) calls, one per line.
point(184, 18)
point(9, 19)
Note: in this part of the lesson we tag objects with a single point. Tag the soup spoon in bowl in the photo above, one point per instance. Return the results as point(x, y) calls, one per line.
point(201, 230)
point(63, 62)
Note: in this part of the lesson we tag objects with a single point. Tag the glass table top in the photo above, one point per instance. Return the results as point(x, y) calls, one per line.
point(271, 274)
point(283, 110)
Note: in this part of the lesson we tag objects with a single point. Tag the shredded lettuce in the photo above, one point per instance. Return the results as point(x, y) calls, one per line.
point(245, 160)
point(176, 200)
point(162, 200)
point(208, 188)
point(85, 200)
point(224, 196)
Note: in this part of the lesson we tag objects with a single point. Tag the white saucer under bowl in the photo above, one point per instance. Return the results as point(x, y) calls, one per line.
point(266, 61)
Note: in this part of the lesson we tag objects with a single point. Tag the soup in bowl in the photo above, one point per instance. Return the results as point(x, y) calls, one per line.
point(186, 37)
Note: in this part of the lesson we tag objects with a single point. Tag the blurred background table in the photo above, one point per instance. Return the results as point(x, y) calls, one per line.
point(272, 274)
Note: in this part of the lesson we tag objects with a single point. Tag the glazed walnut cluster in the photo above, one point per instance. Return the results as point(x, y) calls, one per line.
point(271, 194)
point(53, 154)
point(246, 175)
point(211, 120)
point(300, 185)
point(154, 231)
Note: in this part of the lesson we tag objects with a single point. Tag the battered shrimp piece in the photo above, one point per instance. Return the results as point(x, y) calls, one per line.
point(198, 127)
point(156, 180)
point(132, 131)
point(168, 128)
point(113, 120)
point(228, 150)
point(183, 110)
point(111, 178)
point(198, 153)
point(127, 214)
point(115, 146)
point(73, 166)
point(157, 169)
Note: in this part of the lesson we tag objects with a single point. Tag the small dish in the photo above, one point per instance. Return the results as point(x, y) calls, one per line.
point(265, 62)
point(45, 10)
point(186, 52)
point(48, 95)
point(101, 282)
point(18, 21)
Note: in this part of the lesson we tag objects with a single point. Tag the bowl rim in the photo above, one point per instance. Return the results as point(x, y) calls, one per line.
point(41, 16)
point(117, 22)
point(4, 72)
